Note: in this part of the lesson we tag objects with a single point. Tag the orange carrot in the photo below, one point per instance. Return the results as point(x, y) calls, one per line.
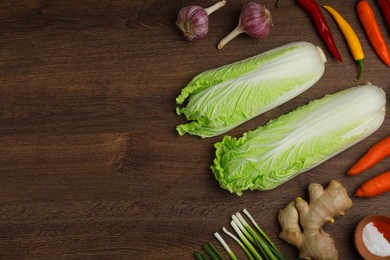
point(375, 154)
point(371, 27)
point(375, 186)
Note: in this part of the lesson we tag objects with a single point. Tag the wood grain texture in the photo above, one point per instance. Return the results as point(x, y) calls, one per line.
point(90, 163)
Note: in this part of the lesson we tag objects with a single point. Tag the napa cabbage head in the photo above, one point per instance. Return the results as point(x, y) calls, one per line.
point(298, 141)
point(221, 99)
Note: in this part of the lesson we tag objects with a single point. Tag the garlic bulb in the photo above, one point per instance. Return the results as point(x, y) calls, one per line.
point(193, 20)
point(255, 20)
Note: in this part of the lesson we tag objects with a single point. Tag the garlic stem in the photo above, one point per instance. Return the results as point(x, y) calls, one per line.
point(238, 30)
point(215, 7)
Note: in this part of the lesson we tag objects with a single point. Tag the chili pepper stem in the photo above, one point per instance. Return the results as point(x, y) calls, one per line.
point(238, 30)
point(215, 7)
point(360, 66)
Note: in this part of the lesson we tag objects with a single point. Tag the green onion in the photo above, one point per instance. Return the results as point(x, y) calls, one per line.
point(210, 252)
point(199, 256)
point(263, 233)
point(254, 237)
point(245, 240)
point(227, 248)
point(216, 251)
point(251, 242)
point(239, 243)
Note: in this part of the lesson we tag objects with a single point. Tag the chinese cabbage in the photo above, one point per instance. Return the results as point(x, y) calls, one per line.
point(298, 141)
point(223, 98)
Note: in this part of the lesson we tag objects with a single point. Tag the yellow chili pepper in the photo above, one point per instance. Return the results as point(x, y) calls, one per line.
point(351, 37)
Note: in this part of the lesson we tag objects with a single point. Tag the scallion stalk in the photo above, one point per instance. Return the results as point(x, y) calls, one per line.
point(227, 248)
point(210, 252)
point(245, 240)
point(278, 255)
point(256, 239)
point(251, 242)
point(199, 256)
point(239, 243)
point(263, 233)
point(216, 251)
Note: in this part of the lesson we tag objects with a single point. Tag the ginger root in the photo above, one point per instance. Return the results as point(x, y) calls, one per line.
point(302, 222)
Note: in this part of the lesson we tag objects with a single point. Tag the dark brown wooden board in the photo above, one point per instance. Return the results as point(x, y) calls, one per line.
point(90, 163)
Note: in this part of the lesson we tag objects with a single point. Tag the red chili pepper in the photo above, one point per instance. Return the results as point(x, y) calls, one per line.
point(312, 8)
point(373, 32)
point(384, 5)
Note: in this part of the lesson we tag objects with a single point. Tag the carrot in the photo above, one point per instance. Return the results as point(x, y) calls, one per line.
point(375, 186)
point(375, 154)
point(371, 27)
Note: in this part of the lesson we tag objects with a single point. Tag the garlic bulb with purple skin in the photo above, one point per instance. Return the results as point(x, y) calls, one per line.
point(255, 20)
point(193, 20)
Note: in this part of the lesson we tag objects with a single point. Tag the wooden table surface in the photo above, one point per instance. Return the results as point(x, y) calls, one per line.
point(91, 165)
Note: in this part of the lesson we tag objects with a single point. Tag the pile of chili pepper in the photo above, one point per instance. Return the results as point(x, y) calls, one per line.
point(368, 21)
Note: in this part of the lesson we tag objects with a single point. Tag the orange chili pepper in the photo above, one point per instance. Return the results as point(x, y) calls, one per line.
point(367, 18)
